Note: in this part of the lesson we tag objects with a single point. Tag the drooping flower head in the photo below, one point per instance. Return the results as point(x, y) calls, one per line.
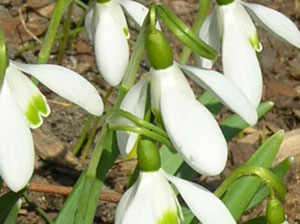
point(23, 106)
point(192, 129)
point(151, 200)
point(107, 27)
point(231, 23)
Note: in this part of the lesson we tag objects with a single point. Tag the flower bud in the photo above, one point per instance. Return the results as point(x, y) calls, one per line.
point(159, 50)
point(148, 156)
point(275, 212)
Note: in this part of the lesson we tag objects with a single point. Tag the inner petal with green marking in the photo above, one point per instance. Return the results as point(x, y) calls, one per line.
point(257, 46)
point(169, 217)
point(36, 108)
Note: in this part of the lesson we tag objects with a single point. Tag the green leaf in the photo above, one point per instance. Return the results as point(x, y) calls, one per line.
point(7, 202)
point(88, 201)
point(13, 214)
point(68, 211)
point(263, 191)
point(170, 161)
point(187, 214)
point(235, 124)
point(240, 193)
point(184, 34)
point(258, 220)
point(211, 102)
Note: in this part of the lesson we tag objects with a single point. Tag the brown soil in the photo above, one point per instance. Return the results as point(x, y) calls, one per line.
point(56, 166)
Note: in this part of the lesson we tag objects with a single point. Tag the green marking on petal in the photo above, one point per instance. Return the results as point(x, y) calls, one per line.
point(35, 108)
point(169, 217)
point(126, 32)
point(257, 46)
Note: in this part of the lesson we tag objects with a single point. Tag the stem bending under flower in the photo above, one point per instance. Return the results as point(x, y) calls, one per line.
point(144, 132)
point(269, 178)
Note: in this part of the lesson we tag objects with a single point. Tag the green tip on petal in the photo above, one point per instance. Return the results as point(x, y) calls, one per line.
point(36, 108)
point(169, 217)
point(159, 50)
point(148, 156)
point(126, 32)
point(256, 45)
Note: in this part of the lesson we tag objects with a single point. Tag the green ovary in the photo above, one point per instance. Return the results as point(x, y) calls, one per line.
point(35, 107)
point(169, 217)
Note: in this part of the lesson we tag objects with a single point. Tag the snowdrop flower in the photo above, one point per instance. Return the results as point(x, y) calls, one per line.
point(151, 199)
point(192, 129)
point(23, 106)
point(107, 27)
point(231, 21)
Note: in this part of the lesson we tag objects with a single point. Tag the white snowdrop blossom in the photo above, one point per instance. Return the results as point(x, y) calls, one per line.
point(23, 106)
point(151, 200)
point(107, 27)
point(192, 129)
point(232, 24)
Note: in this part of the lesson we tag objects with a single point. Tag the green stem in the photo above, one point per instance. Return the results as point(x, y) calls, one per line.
point(269, 178)
point(144, 132)
point(82, 135)
point(57, 14)
point(138, 121)
point(127, 83)
point(81, 4)
point(202, 12)
point(152, 17)
point(92, 168)
point(38, 209)
point(33, 44)
point(133, 65)
point(64, 40)
point(91, 138)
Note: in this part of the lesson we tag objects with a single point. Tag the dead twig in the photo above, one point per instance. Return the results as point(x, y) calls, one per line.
point(65, 191)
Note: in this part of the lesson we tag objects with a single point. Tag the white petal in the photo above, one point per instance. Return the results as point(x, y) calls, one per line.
point(89, 21)
point(225, 90)
point(124, 203)
point(111, 49)
point(16, 145)
point(204, 204)
point(150, 198)
point(276, 23)
point(66, 83)
point(113, 8)
point(240, 63)
point(135, 103)
point(209, 33)
point(28, 96)
point(137, 11)
point(169, 77)
point(242, 20)
point(194, 132)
